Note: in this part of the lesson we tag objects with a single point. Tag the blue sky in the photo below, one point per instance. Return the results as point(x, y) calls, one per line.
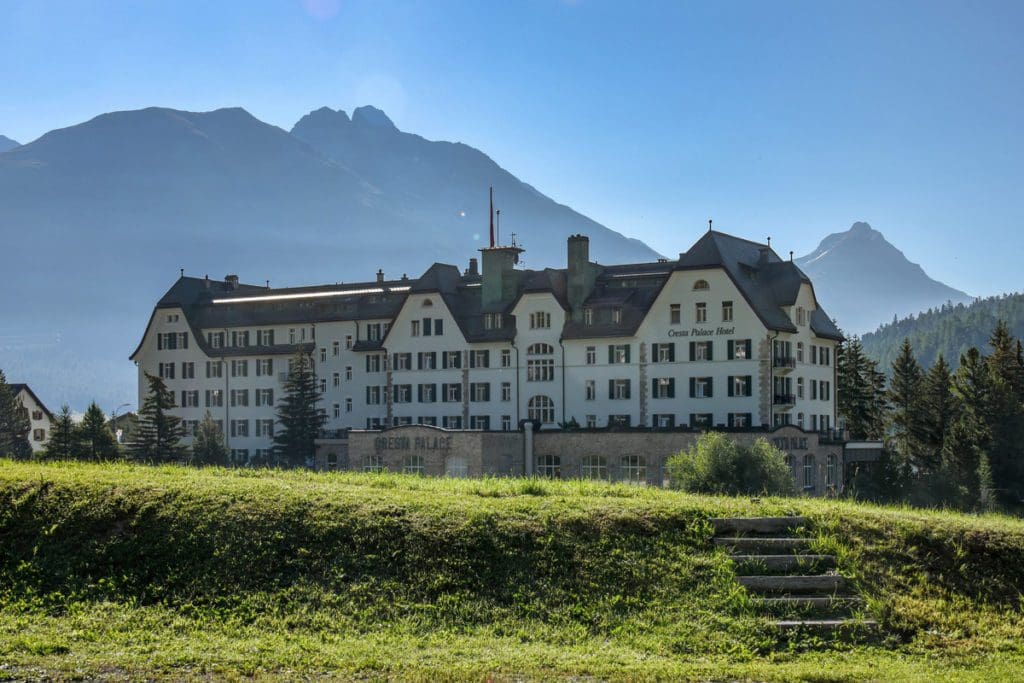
point(789, 119)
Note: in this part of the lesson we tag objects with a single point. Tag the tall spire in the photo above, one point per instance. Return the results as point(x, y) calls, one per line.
point(492, 217)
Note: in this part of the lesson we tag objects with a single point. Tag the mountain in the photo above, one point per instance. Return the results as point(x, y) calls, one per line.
point(107, 211)
point(6, 143)
point(861, 280)
point(949, 330)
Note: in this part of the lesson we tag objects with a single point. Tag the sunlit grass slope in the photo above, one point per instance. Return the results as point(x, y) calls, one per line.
point(125, 572)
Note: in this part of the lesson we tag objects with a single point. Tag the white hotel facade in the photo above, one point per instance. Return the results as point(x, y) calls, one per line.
point(727, 336)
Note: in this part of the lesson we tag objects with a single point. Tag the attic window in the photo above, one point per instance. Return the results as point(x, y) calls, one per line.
point(616, 315)
point(800, 316)
point(700, 285)
point(588, 316)
point(427, 303)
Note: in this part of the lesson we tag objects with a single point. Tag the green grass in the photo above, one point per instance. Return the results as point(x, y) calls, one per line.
point(122, 572)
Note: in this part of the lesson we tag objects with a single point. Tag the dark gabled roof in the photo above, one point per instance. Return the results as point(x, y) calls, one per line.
point(17, 388)
point(823, 326)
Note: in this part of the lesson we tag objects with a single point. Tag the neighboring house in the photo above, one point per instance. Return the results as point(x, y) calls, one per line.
point(38, 414)
point(123, 427)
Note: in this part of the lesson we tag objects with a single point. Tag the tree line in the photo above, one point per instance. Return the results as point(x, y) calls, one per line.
point(158, 436)
point(952, 437)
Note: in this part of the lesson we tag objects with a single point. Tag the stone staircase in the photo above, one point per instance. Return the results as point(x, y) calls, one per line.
point(801, 591)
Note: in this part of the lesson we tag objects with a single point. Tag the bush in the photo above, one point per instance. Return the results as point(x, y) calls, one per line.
point(717, 464)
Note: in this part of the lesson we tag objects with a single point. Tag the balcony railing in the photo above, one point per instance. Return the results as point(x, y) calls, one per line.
point(784, 362)
point(783, 399)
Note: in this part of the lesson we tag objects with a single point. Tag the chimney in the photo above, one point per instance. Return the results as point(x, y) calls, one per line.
point(474, 268)
point(380, 276)
point(206, 281)
point(580, 274)
point(231, 281)
point(762, 255)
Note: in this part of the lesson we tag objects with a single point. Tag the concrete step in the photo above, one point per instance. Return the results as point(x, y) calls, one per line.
point(830, 627)
point(813, 601)
point(761, 563)
point(770, 546)
point(756, 525)
point(822, 585)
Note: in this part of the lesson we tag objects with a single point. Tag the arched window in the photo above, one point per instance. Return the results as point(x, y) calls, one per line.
point(634, 468)
point(541, 408)
point(373, 463)
point(549, 466)
point(427, 303)
point(831, 470)
point(413, 464)
point(540, 349)
point(809, 471)
point(456, 466)
point(594, 467)
point(790, 463)
point(701, 285)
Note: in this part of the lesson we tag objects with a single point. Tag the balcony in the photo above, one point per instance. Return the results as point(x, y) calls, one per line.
point(332, 434)
point(784, 364)
point(783, 400)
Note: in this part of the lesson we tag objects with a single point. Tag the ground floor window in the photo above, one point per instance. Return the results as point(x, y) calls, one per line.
point(831, 470)
point(549, 466)
point(332, 461)
point(373, 463)
point(456, 466)
point(808, 471)
point(413, 464)
point(594, 467)
point(634, 468)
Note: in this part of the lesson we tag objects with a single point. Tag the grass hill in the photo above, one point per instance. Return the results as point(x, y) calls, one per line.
point(127, 572)
point(949, 330)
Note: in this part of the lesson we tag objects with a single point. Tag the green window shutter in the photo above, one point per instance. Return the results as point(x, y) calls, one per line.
point(711, 386)
point(693, 351)
point(672, 352)
point(654, 387)
point(730, 350)
point(693, 387)
point(730, 380)
point(672, 387)
point(611, 353)
point(627, 353)
point(750, 385)
point(628, 386)
point(611, 388)
point(711, 350)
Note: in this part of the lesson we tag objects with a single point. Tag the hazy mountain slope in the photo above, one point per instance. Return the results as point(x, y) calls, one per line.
point(948, 330)
point(862, 280)
point(6, 143)
point(105, 213)
point(444, 185)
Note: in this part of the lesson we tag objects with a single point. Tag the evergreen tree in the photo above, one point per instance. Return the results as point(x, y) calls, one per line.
point(297, 414)
point(970, 437)
point(905, 399)
point(159, 432)
point(1005, 414)
point(93, 439)
point(208, 447)
point(939, 410)
point(63, 437)
point(860, 391)
point(14, 424)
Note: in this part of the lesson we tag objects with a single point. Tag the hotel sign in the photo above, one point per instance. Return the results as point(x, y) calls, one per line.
point(412, 443)
point(703, 332)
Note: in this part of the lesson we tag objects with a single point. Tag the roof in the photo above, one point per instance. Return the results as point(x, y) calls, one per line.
point(620, 298)
point(17, 388)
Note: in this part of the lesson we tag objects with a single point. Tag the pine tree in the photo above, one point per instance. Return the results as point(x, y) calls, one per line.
point(93, 439)
point(297, 413)
point(1006, 413)
point(905, 399)
point(208, 447)
point(939, 410)
point(63, 437)
point(860, 391)
point(159, 432)
point(970, 437)
point(14, 424)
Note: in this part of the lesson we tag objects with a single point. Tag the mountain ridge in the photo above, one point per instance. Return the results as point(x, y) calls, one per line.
point(7, 144)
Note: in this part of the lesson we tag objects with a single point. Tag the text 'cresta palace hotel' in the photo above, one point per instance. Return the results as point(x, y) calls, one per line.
point(728, 336)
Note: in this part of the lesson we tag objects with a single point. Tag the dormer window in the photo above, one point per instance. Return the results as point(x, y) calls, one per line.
point(701, 285)
point(588, 316)
point(492, 321)
point(801, 316)
point(616, 315)
point(540, 320)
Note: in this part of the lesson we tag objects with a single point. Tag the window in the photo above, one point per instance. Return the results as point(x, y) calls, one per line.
point(265, 428)
point(814, 390)
point(549, 466)
point(323, 385)
point(701, 420)
point(480, 358)
point(348, 373)
point(618, 353)
point(591, 421)
point(427, 393)
point(506, 391)
point(591, 355)
point(506, 358)
point(738, 349)
point(239, 398)
point(799, 352)
point(426, 360)
point(190, 399)
point(480, 422)
point(540, 320)
point(37, 415)
point(800, 420)
point(438, 327)
point(429, 421)
point(701, 387)
point(264, 397)
point(801, 316)
point(701, 313)
point(616, 315)
point(782, 419)
point(402, 361)
point(663, 387)
point(452, 422)
point(664, 353)
point(479, 392)
point(451, 359)
point(701, 351)
point(374, 423)
point(634, 468)
point(413, 464)
point(189, 427)
point(415, 328)
point(588, 316)
point(215, 339)
point(664, 421)
point(373, 362)
point(726, 311)
point(240, 338)
point(348, 404)
point(240, 455)
point(492, 321)
point(336, 379)
point(506, 423)
point(800, 387)
point(214, 368)
point(239, 368)
point(456, 466)
point(825, 354)
point(166, 370)
point(618, 389)
point(700, 285)
point(808, 472)
point(402, 393)
point(540, 369)
point(541, 408)
point(373, 463)
point(332, 461)
point(291, 335)
point(214, 398)
point(814, 354)
point(323, 354)
point(373, 331)
point(740, 385)
point(348, 341)
point(373, 395)
point(239, 428)
point(188, 370)
point(675, 314)
point(619, 421)
point(594, 467)
point(591, 389)
point(264, 367)
point(739, 420)
point(335, 348)
point(451, 393)
point(173, 318)
point(831, 470)
point(825, 390)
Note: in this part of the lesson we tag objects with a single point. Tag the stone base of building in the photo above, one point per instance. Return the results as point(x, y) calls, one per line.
point(637, 456)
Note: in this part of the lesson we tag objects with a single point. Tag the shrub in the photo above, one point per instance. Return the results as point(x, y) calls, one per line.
point(717, 464)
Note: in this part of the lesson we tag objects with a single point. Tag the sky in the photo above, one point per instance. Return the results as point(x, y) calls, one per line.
point(788, 119)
